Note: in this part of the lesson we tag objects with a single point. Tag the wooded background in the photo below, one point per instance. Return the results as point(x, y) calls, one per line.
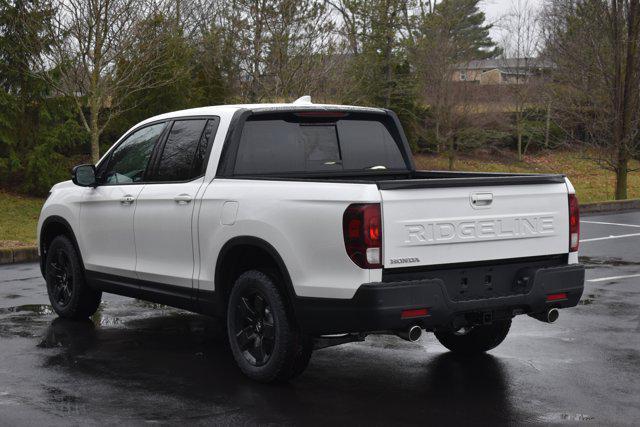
point(76, 74)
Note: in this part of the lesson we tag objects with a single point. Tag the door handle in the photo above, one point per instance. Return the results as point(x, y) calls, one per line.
point(127, 200)
point(182, 199)
point(481, 199)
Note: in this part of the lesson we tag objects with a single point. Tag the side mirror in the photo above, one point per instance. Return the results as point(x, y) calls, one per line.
point(84, 176)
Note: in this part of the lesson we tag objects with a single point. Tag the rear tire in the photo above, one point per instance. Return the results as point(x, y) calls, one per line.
point(69, 294)
point(477, 340)
point(264, 339)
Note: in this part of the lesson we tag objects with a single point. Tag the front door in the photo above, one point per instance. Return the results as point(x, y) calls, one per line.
point(106, 212)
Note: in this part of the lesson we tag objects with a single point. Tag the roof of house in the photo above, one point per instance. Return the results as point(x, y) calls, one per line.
point(505, 64)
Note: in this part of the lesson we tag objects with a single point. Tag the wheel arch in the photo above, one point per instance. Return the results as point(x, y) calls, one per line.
point(248, 252)
point(52, 227)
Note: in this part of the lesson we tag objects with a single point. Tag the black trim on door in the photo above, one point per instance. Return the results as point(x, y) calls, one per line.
point(171, 295)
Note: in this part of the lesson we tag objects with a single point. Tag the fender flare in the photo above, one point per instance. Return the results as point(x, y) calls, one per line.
point(58, 220)
point(263, 245)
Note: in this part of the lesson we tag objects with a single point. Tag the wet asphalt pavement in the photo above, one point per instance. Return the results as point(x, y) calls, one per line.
point(138, 363)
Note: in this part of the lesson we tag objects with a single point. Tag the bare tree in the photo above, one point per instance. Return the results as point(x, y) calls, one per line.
point(279, 47)
point(594, 44)
point(102, 55)
point(449, 35)
point(521, 43)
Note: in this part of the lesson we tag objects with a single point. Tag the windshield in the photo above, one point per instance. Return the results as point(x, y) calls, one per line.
point(316, 144)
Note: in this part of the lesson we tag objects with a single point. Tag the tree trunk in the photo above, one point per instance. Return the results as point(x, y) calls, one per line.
point(451, 154)
point(519, 134)
point(94, 129)
point(437, 136)
point(621, 177)
point(547, 127)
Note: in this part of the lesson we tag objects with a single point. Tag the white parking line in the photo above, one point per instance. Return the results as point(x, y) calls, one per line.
point(609, 237)
point(604, 279)
point(610, 223)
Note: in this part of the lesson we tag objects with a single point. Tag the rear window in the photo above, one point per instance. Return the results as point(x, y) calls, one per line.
point(277, 145)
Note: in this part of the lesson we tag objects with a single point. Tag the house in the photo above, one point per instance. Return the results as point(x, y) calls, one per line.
point(501, 70)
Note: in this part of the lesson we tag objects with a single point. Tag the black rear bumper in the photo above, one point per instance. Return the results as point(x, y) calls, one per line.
point(379, 306)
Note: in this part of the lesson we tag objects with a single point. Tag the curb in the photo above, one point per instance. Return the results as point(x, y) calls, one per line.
point(16, 255)
point(610, 206)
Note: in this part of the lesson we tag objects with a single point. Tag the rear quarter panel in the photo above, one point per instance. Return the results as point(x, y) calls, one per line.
point(301, 220)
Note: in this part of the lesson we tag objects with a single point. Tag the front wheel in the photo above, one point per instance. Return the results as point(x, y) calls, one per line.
point(474, 340)
point(69, 294)
point(263, 337)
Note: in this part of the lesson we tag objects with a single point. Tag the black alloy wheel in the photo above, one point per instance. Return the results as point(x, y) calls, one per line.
point(62, 281)
point(70, 295)
point(255, 327)
point(265, 339)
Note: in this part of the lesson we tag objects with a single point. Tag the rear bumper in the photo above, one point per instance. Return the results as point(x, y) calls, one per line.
point(378, 306)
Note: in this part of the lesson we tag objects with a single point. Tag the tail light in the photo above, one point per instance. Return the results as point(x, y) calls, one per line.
point(362, 229)
point(574, 223)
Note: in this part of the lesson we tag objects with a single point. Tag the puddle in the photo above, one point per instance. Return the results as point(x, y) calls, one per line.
point(557, 417)
point(37, 309)
point(615, 262)
point(588, 300)
point(62, 401)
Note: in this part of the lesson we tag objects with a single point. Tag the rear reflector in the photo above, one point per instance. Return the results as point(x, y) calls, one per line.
point(418, 312)
point(556, 297)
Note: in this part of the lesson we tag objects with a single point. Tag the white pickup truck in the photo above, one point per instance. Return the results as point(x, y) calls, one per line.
point(305, 226)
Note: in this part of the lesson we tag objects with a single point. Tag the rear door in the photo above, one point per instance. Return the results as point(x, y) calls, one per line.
point(163, 222)
point(432, 226)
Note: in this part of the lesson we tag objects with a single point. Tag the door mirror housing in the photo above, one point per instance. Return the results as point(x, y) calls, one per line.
point(84, 176)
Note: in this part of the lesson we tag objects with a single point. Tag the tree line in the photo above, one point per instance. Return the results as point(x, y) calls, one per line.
point(75, 74)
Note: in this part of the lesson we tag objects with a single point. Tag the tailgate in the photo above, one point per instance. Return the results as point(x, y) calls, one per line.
point(432, 226)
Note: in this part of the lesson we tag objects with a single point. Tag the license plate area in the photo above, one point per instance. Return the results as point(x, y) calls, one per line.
point(481, 280)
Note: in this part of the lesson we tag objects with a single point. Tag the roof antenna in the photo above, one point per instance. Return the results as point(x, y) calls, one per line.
point(306, 99)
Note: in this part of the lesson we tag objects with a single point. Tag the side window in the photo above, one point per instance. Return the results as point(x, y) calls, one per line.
point(182, 151)
point(128, 162)
point(200, 159)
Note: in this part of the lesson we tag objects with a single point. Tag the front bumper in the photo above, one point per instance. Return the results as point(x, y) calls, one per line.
point(378, 306)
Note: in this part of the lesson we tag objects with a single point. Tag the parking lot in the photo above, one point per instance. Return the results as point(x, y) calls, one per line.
point(139, 363)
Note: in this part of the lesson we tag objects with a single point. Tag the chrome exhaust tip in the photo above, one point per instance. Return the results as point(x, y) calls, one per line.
point(549, 316)
point(552, 315)
point(412, 334)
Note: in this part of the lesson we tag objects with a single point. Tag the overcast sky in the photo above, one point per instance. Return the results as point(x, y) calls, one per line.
point(494, 9)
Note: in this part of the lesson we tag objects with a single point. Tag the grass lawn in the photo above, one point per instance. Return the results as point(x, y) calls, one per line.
point(19, 214)
point(592, 183)
point(18, 219)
